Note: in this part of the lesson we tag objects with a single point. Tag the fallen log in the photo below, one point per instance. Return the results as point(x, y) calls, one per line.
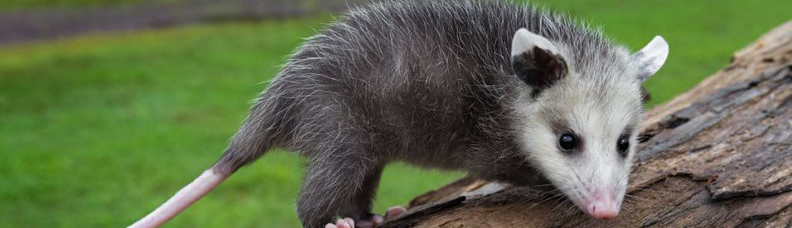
point(719, 155)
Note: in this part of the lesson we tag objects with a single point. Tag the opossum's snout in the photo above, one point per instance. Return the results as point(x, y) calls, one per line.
point(599, 198)
point(601, 204)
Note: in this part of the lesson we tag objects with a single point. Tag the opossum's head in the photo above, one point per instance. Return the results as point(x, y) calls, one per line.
point(579, 114)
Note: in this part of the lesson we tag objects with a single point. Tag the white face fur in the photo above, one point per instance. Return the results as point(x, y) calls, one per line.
point(581, 127)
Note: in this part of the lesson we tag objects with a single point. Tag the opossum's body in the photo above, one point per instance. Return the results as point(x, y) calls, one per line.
point(435, 84)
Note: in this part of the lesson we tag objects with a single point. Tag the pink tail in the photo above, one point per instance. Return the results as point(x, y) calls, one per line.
point(183, 199)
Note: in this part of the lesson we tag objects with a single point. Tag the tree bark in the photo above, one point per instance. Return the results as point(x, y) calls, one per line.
point(719, 155)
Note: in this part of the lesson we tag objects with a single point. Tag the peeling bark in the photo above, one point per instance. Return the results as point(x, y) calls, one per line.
point(719, 155)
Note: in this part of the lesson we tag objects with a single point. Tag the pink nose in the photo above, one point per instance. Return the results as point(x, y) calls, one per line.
point(602, 205)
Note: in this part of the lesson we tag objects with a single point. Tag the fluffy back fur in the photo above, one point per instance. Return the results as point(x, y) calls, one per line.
point(408, 70)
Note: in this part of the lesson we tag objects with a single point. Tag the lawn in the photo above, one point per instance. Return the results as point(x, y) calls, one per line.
point(98, 130)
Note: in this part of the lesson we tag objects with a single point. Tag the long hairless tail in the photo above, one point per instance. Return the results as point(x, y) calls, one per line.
point(249, 143)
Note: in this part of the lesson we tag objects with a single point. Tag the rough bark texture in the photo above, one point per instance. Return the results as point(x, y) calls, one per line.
point(719, 155)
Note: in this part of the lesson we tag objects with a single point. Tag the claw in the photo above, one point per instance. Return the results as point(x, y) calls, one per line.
point(375, 220)
point(342, 223)
point(350, 222)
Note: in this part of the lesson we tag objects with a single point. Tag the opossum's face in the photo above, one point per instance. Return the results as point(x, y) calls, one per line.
point(579, 126)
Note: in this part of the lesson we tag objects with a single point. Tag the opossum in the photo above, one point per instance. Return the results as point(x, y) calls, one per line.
point(506, 92)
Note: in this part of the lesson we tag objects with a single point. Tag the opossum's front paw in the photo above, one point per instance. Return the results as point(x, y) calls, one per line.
point(375, 220)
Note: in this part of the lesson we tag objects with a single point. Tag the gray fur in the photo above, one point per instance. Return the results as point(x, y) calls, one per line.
point(429, 83)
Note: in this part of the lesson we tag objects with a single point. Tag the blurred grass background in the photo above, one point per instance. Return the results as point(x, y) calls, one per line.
point(97, 130)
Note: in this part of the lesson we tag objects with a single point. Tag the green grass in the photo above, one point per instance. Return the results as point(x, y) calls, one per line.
point(96, 131)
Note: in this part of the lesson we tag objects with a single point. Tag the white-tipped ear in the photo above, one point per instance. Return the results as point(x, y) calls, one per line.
point(650, 58)
point(525, 40)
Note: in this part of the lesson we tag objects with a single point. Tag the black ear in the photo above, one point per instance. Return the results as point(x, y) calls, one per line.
point(536, 61)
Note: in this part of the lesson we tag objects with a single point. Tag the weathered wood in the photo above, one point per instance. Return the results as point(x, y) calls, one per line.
point(719, 155)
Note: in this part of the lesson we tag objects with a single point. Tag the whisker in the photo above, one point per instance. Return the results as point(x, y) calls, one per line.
point(570, 208)
point(539, 185)
point(550, 198)
point(634, 196)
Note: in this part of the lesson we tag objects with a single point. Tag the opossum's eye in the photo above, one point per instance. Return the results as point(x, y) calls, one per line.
point(567, 142)
point(623, 144)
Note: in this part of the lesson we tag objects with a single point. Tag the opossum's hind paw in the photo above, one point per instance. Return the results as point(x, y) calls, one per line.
point(342, 223)
point(350, 223)
point(375, 220)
